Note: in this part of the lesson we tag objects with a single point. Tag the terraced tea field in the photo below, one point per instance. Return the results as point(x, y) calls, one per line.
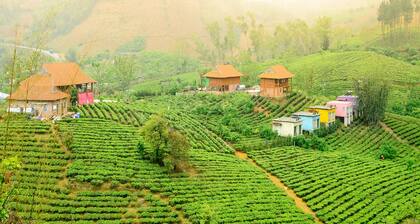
point(100, 177)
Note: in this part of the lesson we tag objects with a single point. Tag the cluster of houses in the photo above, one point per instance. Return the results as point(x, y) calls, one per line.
point(343, 108)
point(274, 82)
point(48, 94)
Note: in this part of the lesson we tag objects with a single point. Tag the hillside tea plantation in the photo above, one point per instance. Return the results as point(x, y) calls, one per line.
point(101, 178)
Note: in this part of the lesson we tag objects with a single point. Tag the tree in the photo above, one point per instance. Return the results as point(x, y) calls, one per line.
point(387, 151)
point(73, 96)
point(125, 68)
point(169, 147)
point(71, 55)
point(323, 30)
point(373, 99)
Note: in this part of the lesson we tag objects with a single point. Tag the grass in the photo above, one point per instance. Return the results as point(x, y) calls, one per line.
point(101, 177)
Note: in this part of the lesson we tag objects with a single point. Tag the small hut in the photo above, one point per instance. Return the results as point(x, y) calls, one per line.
point(311, 121)
point(288, 126)
point(343, 110)
point(353, 99)
point(225, 78)
point(326, 114)
point(275, 82)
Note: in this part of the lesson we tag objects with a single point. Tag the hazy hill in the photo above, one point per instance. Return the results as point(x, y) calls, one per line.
point(97, 25)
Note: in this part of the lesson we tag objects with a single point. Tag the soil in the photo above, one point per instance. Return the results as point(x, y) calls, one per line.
point(300, 203)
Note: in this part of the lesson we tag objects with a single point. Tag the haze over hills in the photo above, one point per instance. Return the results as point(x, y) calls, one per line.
point(98, 25)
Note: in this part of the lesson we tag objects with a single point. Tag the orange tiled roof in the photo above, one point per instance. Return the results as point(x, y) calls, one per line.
point(224, 71)
point(276, 72)
point(38, 88)
point(66, 74)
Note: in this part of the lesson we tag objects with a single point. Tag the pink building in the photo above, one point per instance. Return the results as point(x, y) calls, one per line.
point(343, 110)
point(353, 99)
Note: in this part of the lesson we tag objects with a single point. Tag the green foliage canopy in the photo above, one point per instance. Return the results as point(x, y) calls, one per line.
point(169, 147)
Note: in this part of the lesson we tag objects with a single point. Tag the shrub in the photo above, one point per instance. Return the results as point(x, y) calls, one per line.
point(96, 183)
point(387, 151)
point(267, 133)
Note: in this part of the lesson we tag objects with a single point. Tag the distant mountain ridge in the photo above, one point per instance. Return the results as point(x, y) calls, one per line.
point(166, 25)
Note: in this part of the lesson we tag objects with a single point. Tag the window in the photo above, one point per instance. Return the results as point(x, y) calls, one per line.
point(45, 108)
point(55, 107)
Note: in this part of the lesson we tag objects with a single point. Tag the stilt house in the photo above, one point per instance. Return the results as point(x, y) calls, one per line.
point(276, 82)
point(225, 78)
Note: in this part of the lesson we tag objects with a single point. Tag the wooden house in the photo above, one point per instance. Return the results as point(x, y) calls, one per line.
point(311, 121)
point(275, 82)
point(48, 94)
point(326, 114)
point(225, 78)
point(288, 126)
point(343, 110)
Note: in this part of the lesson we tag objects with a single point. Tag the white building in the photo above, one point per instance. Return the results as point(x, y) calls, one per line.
point(288, 126)
point(3, 96)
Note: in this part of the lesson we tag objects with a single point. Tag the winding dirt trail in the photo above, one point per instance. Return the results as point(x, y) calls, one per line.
point(300, 203)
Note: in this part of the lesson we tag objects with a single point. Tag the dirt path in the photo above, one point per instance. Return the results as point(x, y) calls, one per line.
point(389, 130)
point(300, 203)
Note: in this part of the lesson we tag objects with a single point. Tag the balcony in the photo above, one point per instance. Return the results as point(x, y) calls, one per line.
point(85, 98)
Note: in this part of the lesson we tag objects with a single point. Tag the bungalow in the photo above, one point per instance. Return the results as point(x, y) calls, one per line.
point(354, 100)
point(275, 82)
point(344, 110)
point(288, 126)
point(311, 121)
point(224, 79)
point(326, 113)
point(48, 94)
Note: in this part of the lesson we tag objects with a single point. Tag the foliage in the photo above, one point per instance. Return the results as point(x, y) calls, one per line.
point(121, 73)
point(74, 97)
point(323, 29)
point(125, 69)
point(397, 14)
point(372, 100)
point(407, 128)
point(311, 142)
point(7, 167)
point(67, 139)
point(268, 133)
point(387, 151)
point(324, 131)
point(293, 38)
point(169, 147)
point(337, 184)
point(137, 45)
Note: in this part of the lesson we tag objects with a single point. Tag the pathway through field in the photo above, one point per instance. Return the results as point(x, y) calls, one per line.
point(300, 203)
